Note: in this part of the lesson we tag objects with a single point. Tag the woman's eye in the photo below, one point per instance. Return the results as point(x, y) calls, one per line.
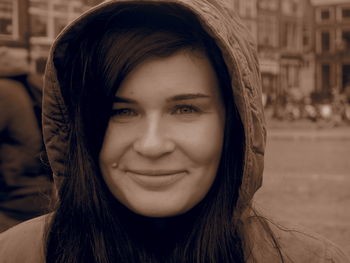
point(123, 114)
point(186, 109)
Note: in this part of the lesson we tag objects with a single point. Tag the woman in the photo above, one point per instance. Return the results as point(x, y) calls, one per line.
point(154, 130)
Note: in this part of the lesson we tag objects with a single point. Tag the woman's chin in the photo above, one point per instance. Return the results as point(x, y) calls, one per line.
point(157, 210)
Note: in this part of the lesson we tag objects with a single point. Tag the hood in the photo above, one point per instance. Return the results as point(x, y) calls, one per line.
point(238, 48)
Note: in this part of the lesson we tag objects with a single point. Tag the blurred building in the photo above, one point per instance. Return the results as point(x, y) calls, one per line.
point(47, 19)
point(302, 45)
point(293, 61)
point(14, 25)
point(268, 46)
point(30, 26)
point(12, 28)
point(248, 12)
point(283, 45)
point(332, 46)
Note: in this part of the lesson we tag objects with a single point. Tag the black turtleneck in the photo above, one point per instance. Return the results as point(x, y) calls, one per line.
point(159, 236)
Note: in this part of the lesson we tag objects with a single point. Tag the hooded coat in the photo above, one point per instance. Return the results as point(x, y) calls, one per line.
point(24, 243)
point(22, 180)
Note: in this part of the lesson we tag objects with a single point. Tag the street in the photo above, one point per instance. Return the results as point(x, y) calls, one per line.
point(307, 183)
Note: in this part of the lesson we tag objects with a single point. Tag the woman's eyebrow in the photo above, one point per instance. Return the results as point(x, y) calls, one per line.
point(117, 99)
point(188, 96)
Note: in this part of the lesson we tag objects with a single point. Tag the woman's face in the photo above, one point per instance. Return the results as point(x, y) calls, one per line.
point(163, 143)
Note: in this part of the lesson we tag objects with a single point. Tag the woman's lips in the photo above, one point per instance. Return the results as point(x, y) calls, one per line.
point(158, 172)
point(156, 179)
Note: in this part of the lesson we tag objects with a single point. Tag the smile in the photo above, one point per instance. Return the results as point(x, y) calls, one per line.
point(156, 179)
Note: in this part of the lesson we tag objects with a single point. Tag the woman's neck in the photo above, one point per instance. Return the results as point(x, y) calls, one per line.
point(159, 234)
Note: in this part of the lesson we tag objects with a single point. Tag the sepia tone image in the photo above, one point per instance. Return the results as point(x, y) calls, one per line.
point(174, 131)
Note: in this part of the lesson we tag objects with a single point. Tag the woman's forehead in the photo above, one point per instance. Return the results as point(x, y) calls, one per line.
point(181, 73)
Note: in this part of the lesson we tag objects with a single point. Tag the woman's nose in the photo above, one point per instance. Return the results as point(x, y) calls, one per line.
point(153, 142)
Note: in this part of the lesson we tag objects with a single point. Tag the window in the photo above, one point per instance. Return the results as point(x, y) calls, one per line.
point(252, 27)
point(247, 9)
point(9, 19)
point(325, 15)
point(345, 76)
point(60, 8)
point(59, 24)
point(293, 75)
point(306, 36)
point(346, 13)
point(325, 41)
point(295, 7)
point(273, 4)
point(39, 25)
point(285, 6)
point(290, 7)
point(326, 78)
point(284, 31)
point(346, 39)
point(268, 4)
point(43, 5)
point(91, 2)
point(267, 28)
point(48, 18)
point(291, 36)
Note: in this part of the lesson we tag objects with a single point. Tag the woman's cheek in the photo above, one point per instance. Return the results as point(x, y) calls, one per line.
point(117, 140)
point(201, 141)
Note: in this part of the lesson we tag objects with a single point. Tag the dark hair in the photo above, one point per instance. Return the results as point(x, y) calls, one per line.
point(89, 224)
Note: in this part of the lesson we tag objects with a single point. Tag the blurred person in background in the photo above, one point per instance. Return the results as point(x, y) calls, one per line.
point(346, 102)
point(154, 128)
point(23, 185)
point(346, 92)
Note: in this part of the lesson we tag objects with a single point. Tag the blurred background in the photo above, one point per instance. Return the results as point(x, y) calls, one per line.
point(304, 52)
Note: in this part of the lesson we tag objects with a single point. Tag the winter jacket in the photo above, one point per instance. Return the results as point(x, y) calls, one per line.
point(22, 183)
point(24, 243)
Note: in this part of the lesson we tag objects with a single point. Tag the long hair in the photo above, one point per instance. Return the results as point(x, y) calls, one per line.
point(88, 223)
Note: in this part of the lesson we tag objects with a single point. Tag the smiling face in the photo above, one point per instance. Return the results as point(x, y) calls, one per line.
point(163, 143)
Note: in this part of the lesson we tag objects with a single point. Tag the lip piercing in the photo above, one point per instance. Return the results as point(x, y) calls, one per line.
point(114, 165)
